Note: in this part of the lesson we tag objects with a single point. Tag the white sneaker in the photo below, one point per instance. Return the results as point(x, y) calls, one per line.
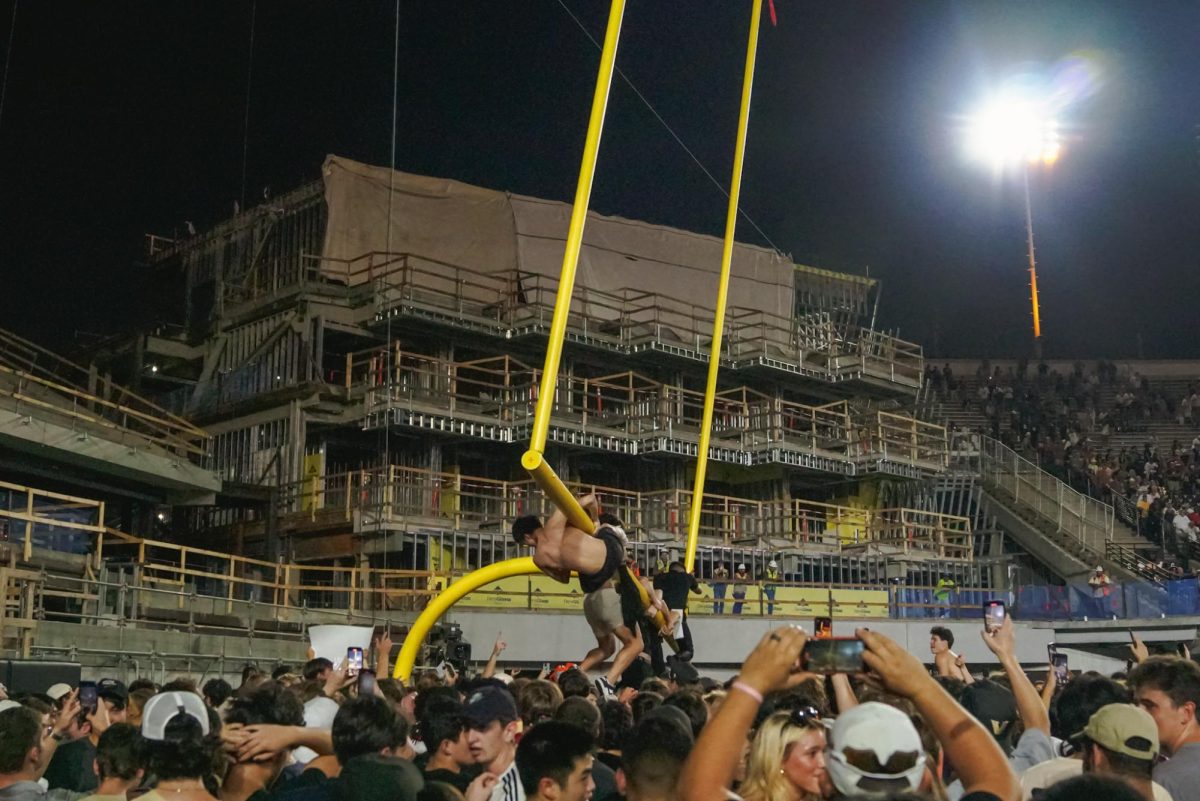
point(605, 689)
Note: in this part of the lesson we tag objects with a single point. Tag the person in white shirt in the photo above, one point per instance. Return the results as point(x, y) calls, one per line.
point(493, 723)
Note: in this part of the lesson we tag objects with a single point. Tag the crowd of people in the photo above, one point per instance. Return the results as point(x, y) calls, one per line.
point(888, 726)
point(1059, 422)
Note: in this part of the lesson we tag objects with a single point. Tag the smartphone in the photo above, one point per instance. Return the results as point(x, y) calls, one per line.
point(994, 613)
point(354, 660)
point(822, 628)
point(1059, 661)
point(366, 683)
point(88, 698)
point(833, 655)
point(1132, 637)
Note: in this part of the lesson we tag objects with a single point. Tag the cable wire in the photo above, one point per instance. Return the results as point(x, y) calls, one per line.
point(670, 130)
point(246, 116)
point(12, 29)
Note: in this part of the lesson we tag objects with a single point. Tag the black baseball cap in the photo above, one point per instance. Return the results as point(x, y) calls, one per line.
point(112, 690)
point(488, 704)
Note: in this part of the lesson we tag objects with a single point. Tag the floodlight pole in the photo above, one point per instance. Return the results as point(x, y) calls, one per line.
point(1037, 318)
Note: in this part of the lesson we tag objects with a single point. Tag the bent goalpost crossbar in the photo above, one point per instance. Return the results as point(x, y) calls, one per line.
point(533, 461)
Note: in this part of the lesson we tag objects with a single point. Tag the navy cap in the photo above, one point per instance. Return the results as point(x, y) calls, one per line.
point(489, 704)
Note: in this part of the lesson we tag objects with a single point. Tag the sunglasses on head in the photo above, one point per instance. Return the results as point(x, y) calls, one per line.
point(804, 716)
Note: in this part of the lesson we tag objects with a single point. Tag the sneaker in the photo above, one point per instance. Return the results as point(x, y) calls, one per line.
point(605, 689)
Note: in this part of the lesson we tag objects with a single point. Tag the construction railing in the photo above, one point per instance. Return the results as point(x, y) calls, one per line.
point(51, 521)
point(232, 578)
point(515, 302)
point(38, 379)
point(396, 494)
point(502, 391)
point(900, 437)
point(1084, 519)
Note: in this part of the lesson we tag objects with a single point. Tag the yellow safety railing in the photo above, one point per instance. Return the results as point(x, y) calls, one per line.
point(51, 520)
point(41, 379)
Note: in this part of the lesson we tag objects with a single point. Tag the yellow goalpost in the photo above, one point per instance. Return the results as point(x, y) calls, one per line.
point(533, 460)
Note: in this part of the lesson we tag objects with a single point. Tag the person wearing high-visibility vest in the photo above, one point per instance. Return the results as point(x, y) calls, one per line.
point(771, 574)
point(941, 594)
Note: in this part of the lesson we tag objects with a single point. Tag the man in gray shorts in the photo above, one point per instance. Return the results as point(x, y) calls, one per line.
point(604, 612)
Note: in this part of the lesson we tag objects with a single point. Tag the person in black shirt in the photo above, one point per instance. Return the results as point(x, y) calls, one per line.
point(674, 586)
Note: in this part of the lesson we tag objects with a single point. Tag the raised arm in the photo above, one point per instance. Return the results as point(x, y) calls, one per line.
point(497, 648)
point(969, 747)
point(708, 773)
point(1003, 643)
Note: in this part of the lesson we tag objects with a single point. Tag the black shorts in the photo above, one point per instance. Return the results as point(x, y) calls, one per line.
point(614, 557)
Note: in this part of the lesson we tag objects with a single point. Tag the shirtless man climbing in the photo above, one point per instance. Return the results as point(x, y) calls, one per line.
point(559, 548)
point(945, 661)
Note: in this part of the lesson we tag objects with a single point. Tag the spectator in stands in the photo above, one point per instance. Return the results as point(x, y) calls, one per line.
point(493, 724)
point(270, 704)
point(118, 763)
point(1074, 706)
point(71, 767)
point(444, 733)
point(180, 735)
point(554, 762)
point(1169, 689)
point(945, 661)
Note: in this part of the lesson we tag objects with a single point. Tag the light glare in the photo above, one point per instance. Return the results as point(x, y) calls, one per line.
point(1012, 130)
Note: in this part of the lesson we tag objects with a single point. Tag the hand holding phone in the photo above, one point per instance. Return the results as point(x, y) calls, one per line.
point(354, 660)
point(366, 683)
point(994, 613)
point(833, 655)
point(88, 698)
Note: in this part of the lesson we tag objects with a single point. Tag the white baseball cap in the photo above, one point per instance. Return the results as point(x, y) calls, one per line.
point(164, 707)
point(741, 567)
point(58, 690)
point(8, 704)
point(886, 752)
point(772, 563)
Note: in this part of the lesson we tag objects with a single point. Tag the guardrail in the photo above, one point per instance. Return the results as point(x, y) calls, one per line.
point(1084, 519)
point(40, 379)
point(51, 520)
point(397, 494)
point(501, 392)
point(515, 302)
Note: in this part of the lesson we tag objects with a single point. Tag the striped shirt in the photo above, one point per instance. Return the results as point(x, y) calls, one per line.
point(508, 788)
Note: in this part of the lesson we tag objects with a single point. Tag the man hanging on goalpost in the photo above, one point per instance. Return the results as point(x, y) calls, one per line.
point(560, 549)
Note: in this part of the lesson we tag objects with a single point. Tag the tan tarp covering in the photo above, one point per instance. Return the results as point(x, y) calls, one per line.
point(495, 232)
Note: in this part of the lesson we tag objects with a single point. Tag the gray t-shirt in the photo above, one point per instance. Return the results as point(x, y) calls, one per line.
point(1033, 748)
point(1180, 774)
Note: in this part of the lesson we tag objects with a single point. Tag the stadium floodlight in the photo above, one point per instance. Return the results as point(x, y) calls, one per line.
point(1009, 130)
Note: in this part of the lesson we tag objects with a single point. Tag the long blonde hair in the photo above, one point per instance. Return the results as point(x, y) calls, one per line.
point(765, 780)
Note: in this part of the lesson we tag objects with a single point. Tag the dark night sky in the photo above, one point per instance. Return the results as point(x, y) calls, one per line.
point(123, 118)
